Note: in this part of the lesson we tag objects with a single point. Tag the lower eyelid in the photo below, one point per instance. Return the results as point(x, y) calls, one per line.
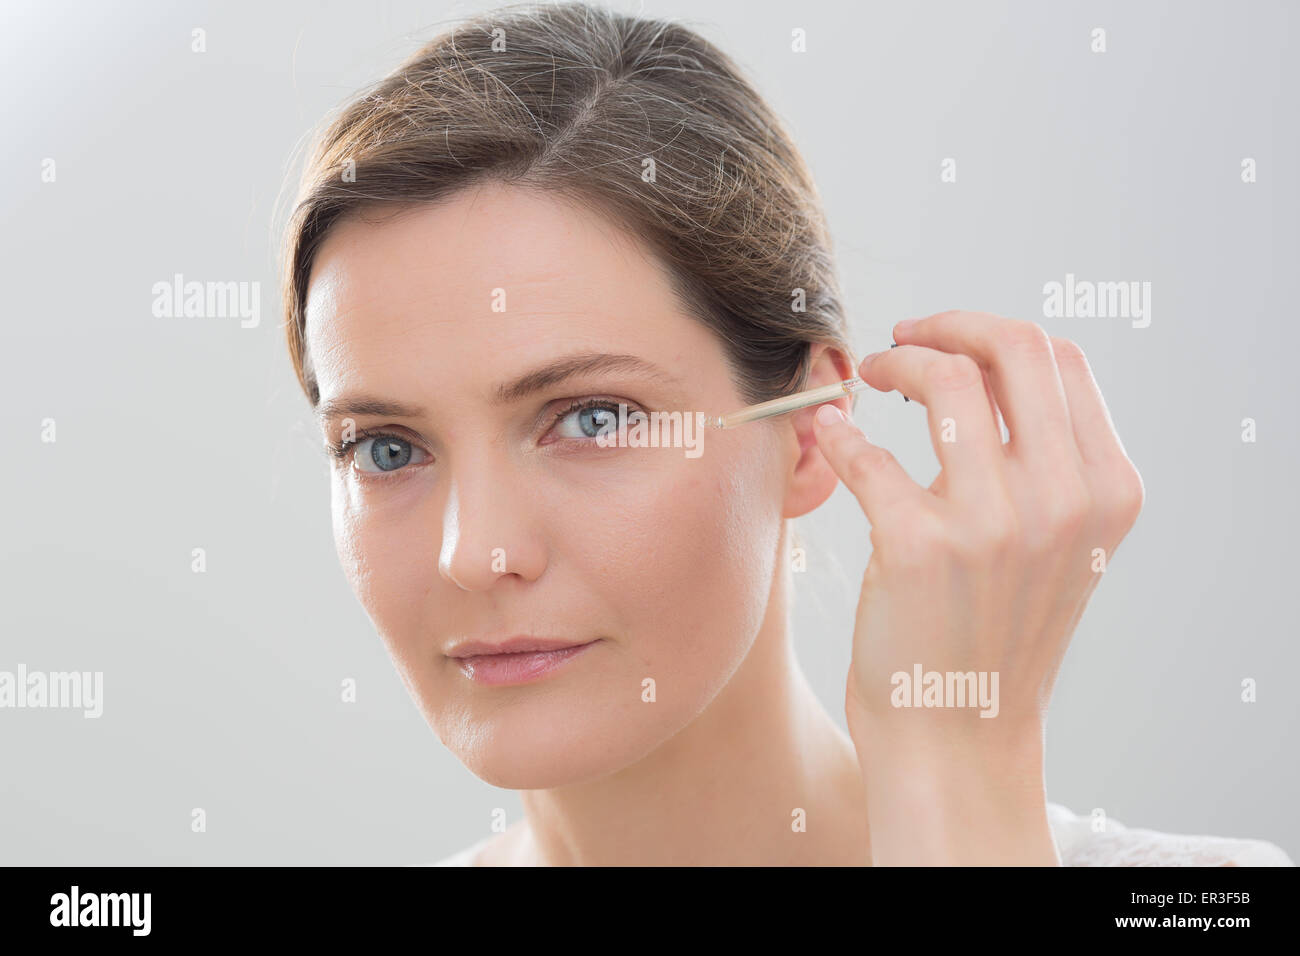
point(583, 405)
point(418, 455)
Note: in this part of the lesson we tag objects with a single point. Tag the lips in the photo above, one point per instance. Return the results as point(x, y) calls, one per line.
point(517, 660)
point(511, 645)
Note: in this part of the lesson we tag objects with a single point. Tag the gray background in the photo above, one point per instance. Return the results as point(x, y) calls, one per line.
point(222, 689)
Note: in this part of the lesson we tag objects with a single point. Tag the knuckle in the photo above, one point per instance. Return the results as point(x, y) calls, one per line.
point(1068, 510)
point(1130, 495)
point(953, 372)
point(1024, 337)
point(1068, 352)
point(996, 534)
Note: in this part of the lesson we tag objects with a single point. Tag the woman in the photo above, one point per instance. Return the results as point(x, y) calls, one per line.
point(552, 217)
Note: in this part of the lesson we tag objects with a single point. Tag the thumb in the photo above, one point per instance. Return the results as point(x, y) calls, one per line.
point(870, 472)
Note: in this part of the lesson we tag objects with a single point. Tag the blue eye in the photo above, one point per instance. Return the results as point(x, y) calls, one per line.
point(384, 453)
point(587, 420)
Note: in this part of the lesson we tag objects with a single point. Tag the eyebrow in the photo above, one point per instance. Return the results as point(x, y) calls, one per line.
point(552, 373)
point(584, 363)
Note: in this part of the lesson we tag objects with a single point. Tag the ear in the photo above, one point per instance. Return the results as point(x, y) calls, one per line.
point(811, 480)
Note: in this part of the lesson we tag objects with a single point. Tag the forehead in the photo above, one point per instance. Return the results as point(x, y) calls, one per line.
point(495, 276)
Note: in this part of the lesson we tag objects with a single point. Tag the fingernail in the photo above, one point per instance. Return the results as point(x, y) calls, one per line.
point(867, 360)
point(829, 415)
point(905, 325)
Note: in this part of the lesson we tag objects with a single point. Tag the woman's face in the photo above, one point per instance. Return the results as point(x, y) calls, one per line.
point(488, 511)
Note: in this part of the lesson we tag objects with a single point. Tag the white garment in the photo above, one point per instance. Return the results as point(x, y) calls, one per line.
point(464, 857)
point(1112, 844)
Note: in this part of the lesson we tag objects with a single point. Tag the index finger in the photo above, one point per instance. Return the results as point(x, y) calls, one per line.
point(1022, 372)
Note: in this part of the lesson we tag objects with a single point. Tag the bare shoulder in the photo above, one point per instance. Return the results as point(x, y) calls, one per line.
point(1095, 839)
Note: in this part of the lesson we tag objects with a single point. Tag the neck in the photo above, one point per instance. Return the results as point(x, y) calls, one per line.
point(726, 789)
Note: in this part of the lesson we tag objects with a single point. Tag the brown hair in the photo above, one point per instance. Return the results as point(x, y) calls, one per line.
point(582, 101)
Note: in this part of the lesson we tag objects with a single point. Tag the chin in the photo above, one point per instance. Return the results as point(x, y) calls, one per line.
point(548, 740)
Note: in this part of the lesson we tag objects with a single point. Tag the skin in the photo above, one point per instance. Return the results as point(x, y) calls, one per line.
point(988, 569)
point(675, 564)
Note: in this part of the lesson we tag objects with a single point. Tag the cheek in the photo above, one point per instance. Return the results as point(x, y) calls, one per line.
point(670, 558)
point(682, 553)
point(384, 565)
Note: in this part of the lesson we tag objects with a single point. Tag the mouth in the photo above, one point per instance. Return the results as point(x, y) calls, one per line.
point(518, 660)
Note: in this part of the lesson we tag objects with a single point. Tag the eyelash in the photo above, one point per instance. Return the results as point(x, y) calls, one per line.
point(342, 451)
point(582, 406)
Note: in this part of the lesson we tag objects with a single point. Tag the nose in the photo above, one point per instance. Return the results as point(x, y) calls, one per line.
point(487, 529)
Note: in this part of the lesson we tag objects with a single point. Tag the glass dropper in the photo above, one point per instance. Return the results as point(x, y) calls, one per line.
point(788, 403)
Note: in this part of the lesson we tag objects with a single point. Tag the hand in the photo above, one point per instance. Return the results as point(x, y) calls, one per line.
point(986, 571)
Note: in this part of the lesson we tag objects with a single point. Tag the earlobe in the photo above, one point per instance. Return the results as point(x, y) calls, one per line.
point(811, 479)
